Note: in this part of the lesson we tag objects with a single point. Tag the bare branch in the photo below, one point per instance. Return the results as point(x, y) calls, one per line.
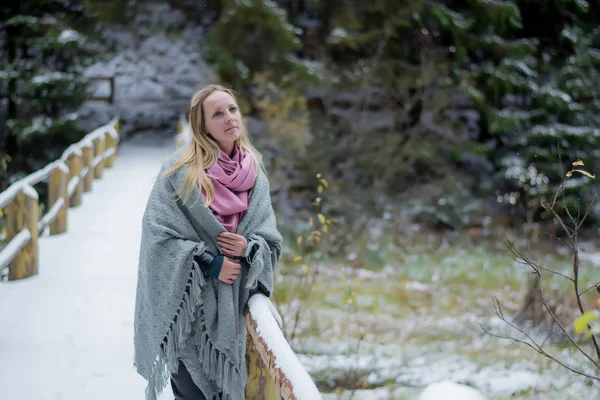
point(576, 288)
point(573, 342)
point(540, 351)
point(547, 337)
point(568, 230)
point(521, 259)
point(571, 228)
point(555, 198)
point(498, 309)
point(590, 288)
point(530, 342)
point(587, 211)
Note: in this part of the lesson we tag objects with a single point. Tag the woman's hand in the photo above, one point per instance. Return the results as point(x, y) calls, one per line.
point(232, 244)
point(229, 270)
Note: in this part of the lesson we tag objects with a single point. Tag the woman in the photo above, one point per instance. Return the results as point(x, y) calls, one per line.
point(209, 240)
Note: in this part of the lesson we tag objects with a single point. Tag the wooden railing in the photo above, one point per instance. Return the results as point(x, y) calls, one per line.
point(67, 177)
point(274, 371)
point(111, 81)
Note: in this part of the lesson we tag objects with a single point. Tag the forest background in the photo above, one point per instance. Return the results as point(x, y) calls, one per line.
point(389, 128)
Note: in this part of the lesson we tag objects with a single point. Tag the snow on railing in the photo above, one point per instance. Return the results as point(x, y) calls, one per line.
point(50, 215)
point(288, 376)
point(14, 246)
point(67, 178)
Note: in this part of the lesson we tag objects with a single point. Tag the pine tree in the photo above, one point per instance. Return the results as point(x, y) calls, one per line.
point(40, 79)
point(533, 88)
point(250, 37)
point(384, 61)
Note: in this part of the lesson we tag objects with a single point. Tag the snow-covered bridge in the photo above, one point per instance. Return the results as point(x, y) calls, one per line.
point(66, 330)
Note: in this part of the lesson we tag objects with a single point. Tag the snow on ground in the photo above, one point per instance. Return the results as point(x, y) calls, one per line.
point(67, 333)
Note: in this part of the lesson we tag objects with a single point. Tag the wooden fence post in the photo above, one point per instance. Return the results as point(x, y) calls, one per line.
point(22, 213)
point(99, 147)
point(88, 159)
point(57, 189)
point(260, 385)
point(111, 143)
point(75, 164)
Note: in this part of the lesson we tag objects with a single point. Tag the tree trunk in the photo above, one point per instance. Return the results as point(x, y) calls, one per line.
point(11, 110)
point(533, 292)
point(326, 12)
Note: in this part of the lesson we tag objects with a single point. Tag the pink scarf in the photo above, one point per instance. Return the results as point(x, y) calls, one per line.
point(233, 178)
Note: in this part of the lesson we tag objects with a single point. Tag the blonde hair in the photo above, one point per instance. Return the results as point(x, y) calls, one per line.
point(203, 150)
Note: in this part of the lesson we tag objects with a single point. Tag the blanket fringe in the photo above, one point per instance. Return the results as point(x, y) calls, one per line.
point(219, 368)
point(216, 365)
point(167, 361)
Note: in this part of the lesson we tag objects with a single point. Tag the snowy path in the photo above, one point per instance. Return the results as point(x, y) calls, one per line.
point(67, 333)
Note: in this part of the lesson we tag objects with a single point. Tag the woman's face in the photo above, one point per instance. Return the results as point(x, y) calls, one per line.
point(222, 119)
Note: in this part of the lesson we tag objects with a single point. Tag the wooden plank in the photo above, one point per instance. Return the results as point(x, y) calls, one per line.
point(111, 143)
point(285, 389)
point(51, 215)
point(259, 385)
point(99, 147)
point(88, 160)
point(32, 179)
point(12, 249)
point(57, 189)
point(75, 163)
point(22, 214)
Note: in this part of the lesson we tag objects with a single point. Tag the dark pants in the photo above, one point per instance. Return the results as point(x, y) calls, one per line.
point(184, 387)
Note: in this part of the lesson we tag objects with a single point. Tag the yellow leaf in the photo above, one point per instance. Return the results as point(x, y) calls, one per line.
point(321, 218)
point(578, 163)
point(299, 240)
point(569, 174)
point(354, 298)
point(324, 182)
point(3, 232)
point(320, 189)
point(325, 229)
point(585, 173)
point(581, 323)
point(374, 306)
point(305, 269)
point(348, 301)
point(297, 258)
point(1, 213)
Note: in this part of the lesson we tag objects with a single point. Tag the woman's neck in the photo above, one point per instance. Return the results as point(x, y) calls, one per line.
point(229, 149)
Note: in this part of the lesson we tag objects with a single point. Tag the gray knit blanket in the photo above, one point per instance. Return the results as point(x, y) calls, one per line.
point(179, 314)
